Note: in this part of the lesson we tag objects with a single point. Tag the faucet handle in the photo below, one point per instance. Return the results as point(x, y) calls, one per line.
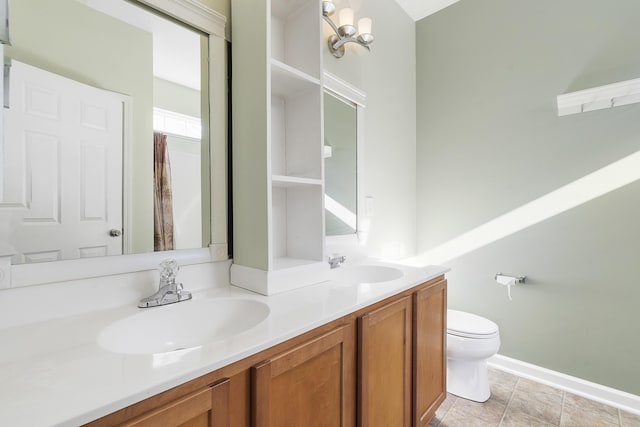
point(335, 260)
point(169, 270)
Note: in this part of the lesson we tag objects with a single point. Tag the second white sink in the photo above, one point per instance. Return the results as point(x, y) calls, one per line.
point(182, 325)
point(368, 274)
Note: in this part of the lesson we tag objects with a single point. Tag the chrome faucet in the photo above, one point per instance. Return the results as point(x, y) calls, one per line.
point(336, 260)
point(169, 291)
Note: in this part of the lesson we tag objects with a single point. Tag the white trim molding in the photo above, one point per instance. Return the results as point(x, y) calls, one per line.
point(194, 12)
point(597, 392)
point(340, 87)
point(279, 280)
point(86, 268)
point(598, 98)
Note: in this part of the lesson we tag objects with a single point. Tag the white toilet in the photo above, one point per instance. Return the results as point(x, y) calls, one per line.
point(471, 341)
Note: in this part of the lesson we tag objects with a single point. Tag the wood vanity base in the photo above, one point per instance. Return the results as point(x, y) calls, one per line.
point(380, 366)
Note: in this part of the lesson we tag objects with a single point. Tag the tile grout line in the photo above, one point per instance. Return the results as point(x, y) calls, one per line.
point(564, 398)
point(439, 420)
point(445, 412)
point(619, 417)
point(513, 391)
point(448, 410)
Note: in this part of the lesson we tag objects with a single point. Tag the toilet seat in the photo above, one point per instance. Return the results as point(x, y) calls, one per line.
point(469, 325)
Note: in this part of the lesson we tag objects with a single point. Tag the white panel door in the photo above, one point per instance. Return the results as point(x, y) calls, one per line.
point(61, 192)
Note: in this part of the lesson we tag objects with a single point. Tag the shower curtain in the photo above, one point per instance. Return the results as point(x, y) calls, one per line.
point(163, 200)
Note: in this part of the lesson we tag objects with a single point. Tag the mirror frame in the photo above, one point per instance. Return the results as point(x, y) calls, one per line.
point(334, 85)
point(4, 22)
point(197, 15)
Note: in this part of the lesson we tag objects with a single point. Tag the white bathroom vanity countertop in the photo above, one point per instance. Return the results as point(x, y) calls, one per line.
point(54, 373)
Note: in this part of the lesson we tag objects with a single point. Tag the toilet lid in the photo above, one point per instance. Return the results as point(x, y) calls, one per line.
point(470, 325)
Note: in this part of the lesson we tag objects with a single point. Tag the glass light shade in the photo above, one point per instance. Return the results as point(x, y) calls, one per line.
point(364, 26)
point(328, 8)
point(346, 16)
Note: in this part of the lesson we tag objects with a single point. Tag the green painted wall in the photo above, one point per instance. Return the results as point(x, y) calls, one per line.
point(249, 150)
point(489, 140)
point(174, 97)
point(70, 39)
point(387, 75)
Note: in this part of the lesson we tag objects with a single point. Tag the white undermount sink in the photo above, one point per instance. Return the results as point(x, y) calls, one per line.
point(368, 274)
point(182, 325)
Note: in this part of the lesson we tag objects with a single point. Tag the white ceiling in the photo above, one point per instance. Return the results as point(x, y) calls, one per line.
point(418, 9)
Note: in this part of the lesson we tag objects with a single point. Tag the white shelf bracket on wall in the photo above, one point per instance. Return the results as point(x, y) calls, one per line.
point(598, 98)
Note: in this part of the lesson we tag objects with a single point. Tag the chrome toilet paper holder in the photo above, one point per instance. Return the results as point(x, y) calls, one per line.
point(516, 279)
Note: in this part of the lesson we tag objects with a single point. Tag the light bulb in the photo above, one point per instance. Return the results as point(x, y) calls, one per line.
point(364, 25)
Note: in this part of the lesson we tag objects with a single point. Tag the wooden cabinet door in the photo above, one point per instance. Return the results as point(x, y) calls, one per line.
point(204, 408)
point(308, 385)
point(429, 351)
point(384, 362)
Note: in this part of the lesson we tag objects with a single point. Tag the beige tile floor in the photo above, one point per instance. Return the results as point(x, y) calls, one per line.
point(519, 402)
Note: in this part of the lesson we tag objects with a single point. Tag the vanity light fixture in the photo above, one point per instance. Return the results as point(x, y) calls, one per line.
point(346, 32)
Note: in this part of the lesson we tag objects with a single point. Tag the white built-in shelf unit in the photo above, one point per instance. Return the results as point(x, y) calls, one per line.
point(294, 181)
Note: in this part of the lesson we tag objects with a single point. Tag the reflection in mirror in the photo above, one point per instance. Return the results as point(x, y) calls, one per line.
point(340, 148)
point(90, 83)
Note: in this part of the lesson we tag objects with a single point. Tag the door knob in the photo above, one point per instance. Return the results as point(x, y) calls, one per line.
point(114, 232)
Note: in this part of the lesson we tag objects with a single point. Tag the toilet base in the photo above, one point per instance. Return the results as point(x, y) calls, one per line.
point(468, 379)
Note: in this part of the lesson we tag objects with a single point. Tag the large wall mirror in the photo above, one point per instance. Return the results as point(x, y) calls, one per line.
point(343, 153)
point(114, 135)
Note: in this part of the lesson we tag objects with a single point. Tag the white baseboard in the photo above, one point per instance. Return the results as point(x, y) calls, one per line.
point(607, 395)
